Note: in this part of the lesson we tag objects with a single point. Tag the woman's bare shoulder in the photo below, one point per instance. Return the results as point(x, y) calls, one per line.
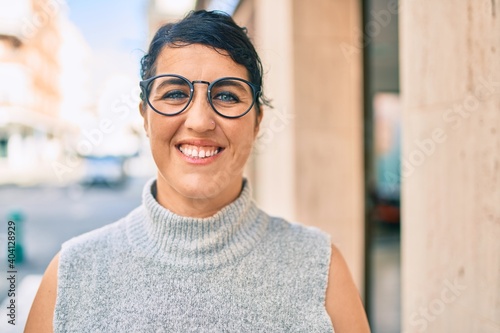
point(42, 311)
point(343, 303)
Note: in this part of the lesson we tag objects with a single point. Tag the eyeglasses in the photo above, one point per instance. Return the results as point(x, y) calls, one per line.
point(170, 94)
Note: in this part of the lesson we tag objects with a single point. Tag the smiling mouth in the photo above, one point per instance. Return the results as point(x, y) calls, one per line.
point(199, 152)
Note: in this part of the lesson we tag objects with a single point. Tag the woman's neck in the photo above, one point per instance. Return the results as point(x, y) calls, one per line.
point(204, 205)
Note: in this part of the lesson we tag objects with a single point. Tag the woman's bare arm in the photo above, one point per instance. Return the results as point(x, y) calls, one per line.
point(343, 302)
point(42, 311)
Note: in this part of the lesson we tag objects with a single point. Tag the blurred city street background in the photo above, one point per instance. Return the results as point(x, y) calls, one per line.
point(402, 175)
point(73, 155)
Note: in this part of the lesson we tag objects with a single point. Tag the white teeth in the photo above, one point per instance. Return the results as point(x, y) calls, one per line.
point(198, 152)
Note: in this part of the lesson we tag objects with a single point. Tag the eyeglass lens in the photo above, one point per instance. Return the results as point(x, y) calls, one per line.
point(230, 97)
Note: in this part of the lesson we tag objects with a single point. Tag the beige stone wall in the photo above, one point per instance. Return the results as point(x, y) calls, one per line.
point(329, 124)
point(450, 83)
point(274, 152)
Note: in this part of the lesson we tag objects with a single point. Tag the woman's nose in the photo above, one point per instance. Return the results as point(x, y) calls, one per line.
point(199, 114)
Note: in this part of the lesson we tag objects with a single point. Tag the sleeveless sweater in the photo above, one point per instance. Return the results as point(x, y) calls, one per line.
point(239, 270)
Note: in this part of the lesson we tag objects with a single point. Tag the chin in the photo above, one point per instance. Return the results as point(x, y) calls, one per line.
point(200, 186)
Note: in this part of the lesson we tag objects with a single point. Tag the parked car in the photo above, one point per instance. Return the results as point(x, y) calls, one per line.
point(104, 170)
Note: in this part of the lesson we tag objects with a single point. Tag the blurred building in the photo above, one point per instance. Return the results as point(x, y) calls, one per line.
point(164, 11)
point(74, 80)
point(32, 52)
point(29, 86)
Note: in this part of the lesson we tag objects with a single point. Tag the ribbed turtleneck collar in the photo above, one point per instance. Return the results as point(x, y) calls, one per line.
point(196, 243)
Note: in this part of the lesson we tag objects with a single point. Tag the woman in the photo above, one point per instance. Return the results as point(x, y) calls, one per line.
point(198, 255)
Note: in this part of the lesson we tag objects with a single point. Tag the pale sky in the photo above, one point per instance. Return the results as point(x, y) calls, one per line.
point(116, 31)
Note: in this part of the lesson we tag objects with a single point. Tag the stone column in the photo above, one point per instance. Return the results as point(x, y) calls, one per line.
point(274, 151)
point(450, 83)
point(329, 123)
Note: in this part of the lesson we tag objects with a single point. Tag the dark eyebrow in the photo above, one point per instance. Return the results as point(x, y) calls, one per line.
point(173, 81)
point(232, 83)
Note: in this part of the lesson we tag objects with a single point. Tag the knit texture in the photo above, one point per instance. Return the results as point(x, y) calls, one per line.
point(154, 271)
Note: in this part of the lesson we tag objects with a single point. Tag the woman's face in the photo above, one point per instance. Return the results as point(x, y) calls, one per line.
point(193, 185)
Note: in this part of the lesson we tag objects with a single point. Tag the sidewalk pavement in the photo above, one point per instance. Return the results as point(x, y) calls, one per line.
point(25, 293)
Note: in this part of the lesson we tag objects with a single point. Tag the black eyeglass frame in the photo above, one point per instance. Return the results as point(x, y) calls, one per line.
point(145, 90)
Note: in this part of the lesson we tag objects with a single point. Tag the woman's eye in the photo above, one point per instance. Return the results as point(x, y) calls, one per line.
point(226, 97)
point(175, 95)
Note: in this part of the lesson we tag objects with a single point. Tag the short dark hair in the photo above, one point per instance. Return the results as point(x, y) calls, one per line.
point(215, 29)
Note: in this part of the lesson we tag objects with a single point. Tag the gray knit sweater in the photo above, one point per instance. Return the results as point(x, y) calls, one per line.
point(154, 271)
